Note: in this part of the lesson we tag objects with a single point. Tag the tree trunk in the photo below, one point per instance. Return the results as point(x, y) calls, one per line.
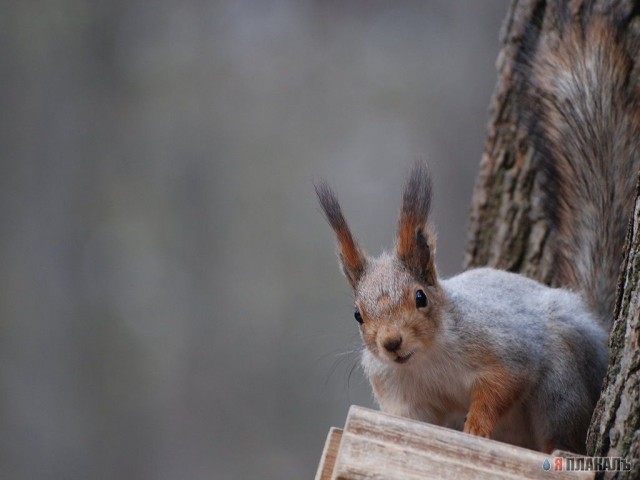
point(615, 426)
point(508, 228)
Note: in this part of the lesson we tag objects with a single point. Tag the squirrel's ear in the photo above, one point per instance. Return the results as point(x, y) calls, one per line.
point(351, 256)
point(415, 245)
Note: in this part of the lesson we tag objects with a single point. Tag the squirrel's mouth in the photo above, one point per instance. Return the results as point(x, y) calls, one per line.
point(404, 358)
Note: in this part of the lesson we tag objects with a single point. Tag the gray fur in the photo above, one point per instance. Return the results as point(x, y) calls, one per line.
point(385, 276)
point(544, 334)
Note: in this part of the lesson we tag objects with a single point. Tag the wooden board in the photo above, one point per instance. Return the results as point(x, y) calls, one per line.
point(328, 459)
point(381, 446)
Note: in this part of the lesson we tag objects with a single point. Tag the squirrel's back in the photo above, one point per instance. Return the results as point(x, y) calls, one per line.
point(584, 116)
point(520, 313)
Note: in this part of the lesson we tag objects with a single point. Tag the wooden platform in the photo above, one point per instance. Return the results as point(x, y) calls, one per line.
point(376, 445)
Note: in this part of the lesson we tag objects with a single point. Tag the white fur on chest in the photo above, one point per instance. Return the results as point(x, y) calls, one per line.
point(434, 387)
point(437, 389)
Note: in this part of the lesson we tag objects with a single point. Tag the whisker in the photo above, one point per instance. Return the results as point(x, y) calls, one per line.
point(339, 359)
point(348, 379)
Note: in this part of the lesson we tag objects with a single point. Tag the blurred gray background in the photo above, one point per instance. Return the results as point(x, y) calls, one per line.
point(170, 302)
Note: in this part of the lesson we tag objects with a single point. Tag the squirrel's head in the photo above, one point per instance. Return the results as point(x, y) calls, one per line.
point(397, 296)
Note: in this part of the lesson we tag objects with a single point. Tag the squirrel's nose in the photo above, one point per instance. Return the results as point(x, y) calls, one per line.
point(392, 344)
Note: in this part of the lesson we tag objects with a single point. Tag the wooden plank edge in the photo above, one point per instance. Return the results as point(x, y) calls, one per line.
point(329, 454)
point(430, 440)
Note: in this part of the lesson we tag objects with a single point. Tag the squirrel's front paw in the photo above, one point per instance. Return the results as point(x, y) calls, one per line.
point(478, 426)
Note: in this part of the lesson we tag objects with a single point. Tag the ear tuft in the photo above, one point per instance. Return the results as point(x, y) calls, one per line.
point(415, 244)
point(351, 256)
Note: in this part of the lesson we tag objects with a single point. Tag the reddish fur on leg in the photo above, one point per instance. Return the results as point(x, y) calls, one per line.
point(491, 397)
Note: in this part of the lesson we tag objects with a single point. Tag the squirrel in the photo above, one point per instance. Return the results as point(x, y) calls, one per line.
point(494, 353)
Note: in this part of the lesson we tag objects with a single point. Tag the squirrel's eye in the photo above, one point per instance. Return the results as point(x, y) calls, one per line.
point(421, 299)
point(358, 316)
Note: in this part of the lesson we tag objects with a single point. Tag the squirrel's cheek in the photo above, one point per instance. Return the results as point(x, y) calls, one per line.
point(368, 337)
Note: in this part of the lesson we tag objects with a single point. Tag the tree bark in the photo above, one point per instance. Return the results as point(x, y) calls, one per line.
point(615, 427)
point(508, 228)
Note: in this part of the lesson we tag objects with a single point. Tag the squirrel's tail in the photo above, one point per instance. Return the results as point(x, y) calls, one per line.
point(585, 120)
